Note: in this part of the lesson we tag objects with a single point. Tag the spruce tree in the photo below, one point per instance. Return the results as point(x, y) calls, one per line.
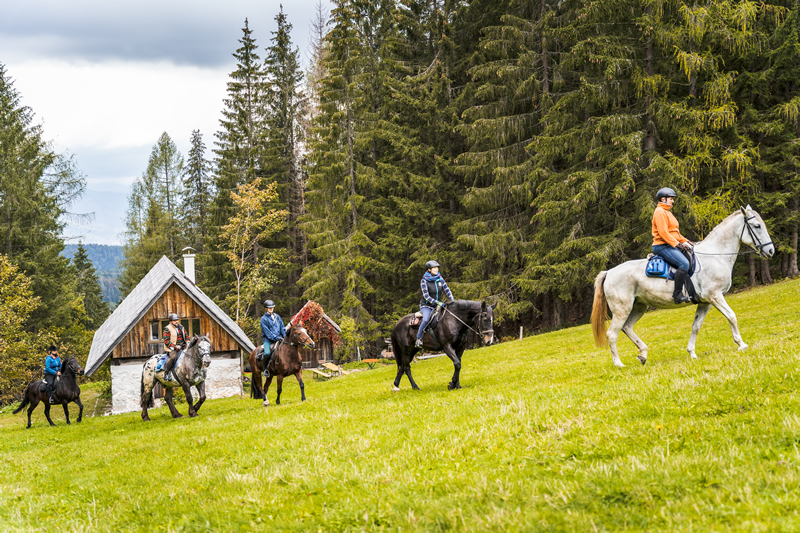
point(88, 287)
point(197, 194)
point(38, 186)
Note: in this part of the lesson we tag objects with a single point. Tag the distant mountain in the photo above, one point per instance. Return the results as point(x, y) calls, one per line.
point(106, 259)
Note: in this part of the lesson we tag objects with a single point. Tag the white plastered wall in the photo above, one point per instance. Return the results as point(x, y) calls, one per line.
point(224, 379)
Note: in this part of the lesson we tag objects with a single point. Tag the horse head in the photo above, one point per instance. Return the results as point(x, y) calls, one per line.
point(484, 323)
point(202, 349)
point(72, 364)
point(755, 234)
point(298, 335)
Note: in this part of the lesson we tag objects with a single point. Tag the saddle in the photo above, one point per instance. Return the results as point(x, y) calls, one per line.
point(42, 386)
point(416, 320)
point(658, 268)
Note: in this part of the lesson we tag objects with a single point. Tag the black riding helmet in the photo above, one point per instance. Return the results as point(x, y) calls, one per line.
point(430, 264)
point(665, 192)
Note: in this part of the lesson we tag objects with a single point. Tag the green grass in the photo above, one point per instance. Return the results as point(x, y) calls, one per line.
point(546, 435)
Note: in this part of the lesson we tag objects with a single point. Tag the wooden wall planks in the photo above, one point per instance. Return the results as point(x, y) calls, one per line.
point(174, 300)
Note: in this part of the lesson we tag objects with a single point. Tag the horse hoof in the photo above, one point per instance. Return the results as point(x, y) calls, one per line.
point(743, 347)
point(266, 403)
point(619, 364)
point(177, 416)
point(192, 415)
point(395, 389)
point(643, 360)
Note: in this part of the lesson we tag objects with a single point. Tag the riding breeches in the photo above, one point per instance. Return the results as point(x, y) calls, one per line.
point(50, 379)
point(426, 317)
point(671, 255)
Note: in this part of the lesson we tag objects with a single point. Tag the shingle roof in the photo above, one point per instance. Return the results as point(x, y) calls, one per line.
point(141, 299)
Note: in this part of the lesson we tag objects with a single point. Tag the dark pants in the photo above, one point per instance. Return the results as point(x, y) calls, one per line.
point(50, 379)
point(173, 356)
point(671, 255)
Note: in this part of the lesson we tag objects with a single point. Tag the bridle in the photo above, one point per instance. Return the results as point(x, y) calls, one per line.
point(758, 246)
point(482, 331)
point(304, 344)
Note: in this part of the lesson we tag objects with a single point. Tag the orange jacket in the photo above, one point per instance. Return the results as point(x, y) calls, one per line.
point(665, 227)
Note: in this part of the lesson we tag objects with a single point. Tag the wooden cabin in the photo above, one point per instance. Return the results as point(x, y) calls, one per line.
point(133, 334)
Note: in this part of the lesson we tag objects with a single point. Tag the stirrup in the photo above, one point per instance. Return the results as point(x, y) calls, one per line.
point(682, 299)
point(418, 344)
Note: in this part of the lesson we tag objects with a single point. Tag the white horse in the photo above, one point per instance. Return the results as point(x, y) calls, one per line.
point(627, 291)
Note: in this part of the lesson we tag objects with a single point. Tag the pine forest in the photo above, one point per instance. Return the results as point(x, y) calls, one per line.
point(519, 143)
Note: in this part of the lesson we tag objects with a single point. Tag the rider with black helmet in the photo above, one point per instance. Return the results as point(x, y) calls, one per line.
point(272, 331)
point(175, 339)
point(434, 289)
point(668, 241)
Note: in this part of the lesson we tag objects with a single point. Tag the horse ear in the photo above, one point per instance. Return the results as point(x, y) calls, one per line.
point(748, 208)
point(743, 211)
point(494, 305)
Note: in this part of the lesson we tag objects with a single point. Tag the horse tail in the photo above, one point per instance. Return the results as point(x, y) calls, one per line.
point(396, 348)
point(146, 401)
point(25, 401)
point(600, 311)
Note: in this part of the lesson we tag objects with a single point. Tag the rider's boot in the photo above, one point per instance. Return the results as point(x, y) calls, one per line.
point(267, 359)
point(677, 293)
point(418, 344)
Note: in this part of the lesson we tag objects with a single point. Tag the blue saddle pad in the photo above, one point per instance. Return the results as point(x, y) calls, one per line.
point(658, 268)
point(161, 362)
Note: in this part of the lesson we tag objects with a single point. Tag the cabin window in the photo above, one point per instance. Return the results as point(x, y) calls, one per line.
point(191, 325)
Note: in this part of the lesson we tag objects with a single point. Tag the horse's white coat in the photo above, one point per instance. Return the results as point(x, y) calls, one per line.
point(629, 291)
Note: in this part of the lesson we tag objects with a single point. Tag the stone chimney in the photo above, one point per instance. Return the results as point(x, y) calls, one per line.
point(188, 263)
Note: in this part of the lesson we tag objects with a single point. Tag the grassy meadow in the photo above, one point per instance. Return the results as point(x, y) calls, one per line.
point(545, 435)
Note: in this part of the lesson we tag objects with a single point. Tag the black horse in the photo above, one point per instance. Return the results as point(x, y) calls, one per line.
point(451, 336)
point(67, 390)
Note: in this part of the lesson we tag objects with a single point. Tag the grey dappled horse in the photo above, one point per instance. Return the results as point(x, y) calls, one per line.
point(627, 291)
point(190, 370)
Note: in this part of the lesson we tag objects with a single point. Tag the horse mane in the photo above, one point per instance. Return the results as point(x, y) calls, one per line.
point(467, 305)
point(726, 219)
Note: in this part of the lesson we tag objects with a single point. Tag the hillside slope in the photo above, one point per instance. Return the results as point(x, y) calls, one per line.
point(546, 434)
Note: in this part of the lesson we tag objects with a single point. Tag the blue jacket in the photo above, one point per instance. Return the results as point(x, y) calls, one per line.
point(52, 365)
point(434, 289)
point(272, 328)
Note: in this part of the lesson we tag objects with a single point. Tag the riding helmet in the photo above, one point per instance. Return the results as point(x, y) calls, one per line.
point(52, 348)
point(430, 264)
point(269, 303)
point(173, 316)
point(665, 191)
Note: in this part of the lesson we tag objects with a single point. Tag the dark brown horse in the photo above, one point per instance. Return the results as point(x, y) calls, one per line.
point(67, 390)
point(286, 362)
point(451, 336)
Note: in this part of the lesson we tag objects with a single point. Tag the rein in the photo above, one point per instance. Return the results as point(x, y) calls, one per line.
point(479, 333)
point(757, 248)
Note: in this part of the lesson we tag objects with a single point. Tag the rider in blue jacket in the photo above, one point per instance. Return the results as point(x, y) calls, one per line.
point(52, 369)
point(434, 290)
point(272, 331)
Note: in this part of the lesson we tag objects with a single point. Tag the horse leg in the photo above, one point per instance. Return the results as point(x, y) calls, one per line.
point(201, 391)
point(637, 312)
point(168, 399)
point(280, 389)
point(454, 382)
point(299, 377)
point(47, 413)
point(80, 405)
point(66, 412)
point(723, 307)
point(255, 383)
point(32, 406)
point(398, 361)
point(699, 316)
point(267, 383)
point(407, 369)
point(187, 391)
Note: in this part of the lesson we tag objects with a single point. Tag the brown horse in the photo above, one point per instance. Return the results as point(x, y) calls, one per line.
point(286, 362)
point(67, 390)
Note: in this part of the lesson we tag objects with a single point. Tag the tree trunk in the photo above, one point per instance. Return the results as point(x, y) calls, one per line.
point(793, 241)
point(751, 264)
point(784, 265)
point(558, 313)
point(766, 277)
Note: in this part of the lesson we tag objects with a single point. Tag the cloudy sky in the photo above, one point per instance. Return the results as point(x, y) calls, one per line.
point(105, 79)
